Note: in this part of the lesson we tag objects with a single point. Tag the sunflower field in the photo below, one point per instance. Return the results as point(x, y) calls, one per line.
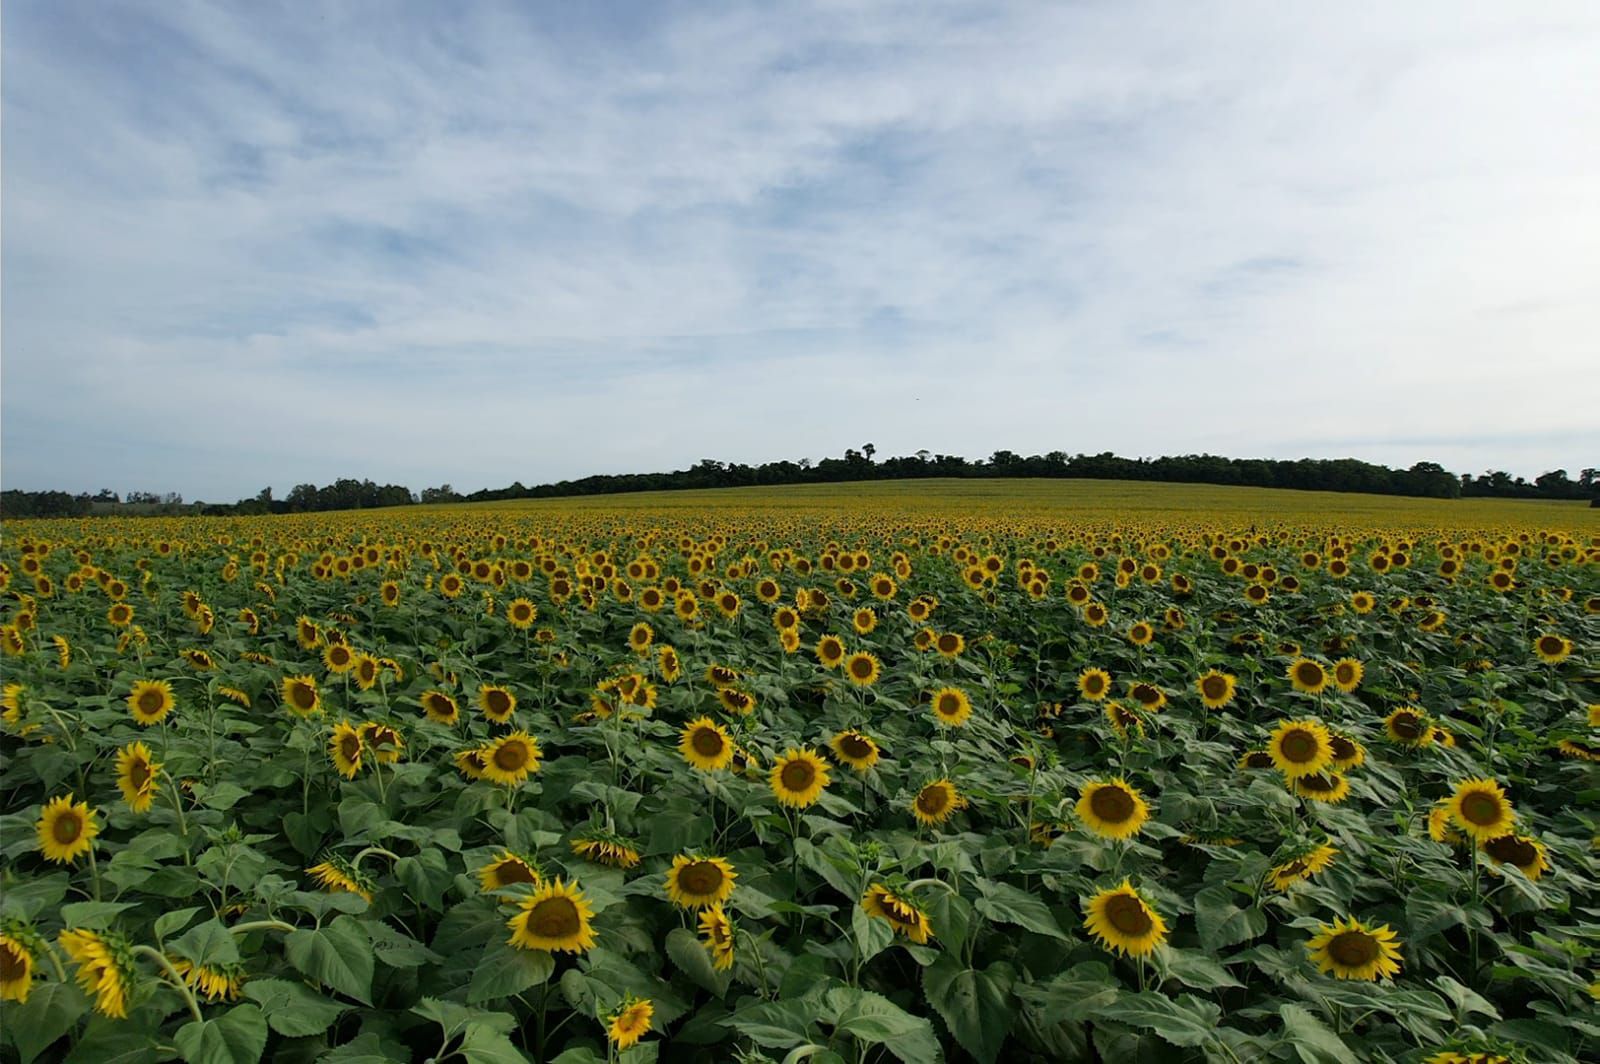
point(768, 782)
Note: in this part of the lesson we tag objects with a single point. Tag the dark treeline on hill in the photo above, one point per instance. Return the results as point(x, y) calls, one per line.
point(1426, 479)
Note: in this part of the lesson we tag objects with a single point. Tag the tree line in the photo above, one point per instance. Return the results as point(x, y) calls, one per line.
point(1424, 479)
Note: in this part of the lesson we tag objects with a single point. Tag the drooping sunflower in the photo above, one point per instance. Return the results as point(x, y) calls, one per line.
point(1552, 648)
point(1527, 854)
point(739, 702)
point(862, 668)
point(16, 969)
point(629, 1021)
point(469, 762)
point(198, 659)
point(497, 703)
point(951, 706)
point(212, 982)
point(1300, 748)
point(605, 847)
point(854, 749)
point(336, 875)
point(136, 776)
point(1124, 721)
point(718, 934)
point(705, 745)
point(1481, 809)
point(1578, 748)
point(506, 868)
point(1308, 676)
point(1408, 726)
point(345, 747)
point(11, 702)
point(300, 695)
point(150, 702)
point(510, 758)
point(1440, 827)
point(1326, 786)
point(384, 741)
point(1216, 689)
point(1150, 697)
point(105, 968)
point(798, 778)
point(1094, 684)
point(1349, 949)
point(1347, 674)
point(1301, 868)
point(936, 802)
point(694, 882)
point(555, 918)
point(440, 707)
point(902, 913)
point(1124, 922)
point(66, 829)
point(1112, 809)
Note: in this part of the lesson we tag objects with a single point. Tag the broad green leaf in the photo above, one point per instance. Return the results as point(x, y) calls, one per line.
point(96, 915)
point(338, 956)
point(208, 944)
point(293, 1009)
point(1076, 994)
point(1186, 1021)
point(694, 960)
point(1221, 923)
point(238, 1036)
point(484, 1045)
point(774, 1024)
point(977, 1006)
point(50, 1012)
point(872, 935)
point(1192, 968)
point(1005, 904)
point(1311, 1039)
point(504, 971)
point(875, 1020)
point(176, 920)
point(399, 950)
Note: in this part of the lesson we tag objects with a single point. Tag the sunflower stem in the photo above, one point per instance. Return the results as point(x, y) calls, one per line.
point(177, 980)
point(261, 925)
point(94, 871)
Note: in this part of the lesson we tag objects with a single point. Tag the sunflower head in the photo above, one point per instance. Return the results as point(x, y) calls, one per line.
point(150, 701)
point(1527, 854)
point(899, 910)
point(718, 932)
point(440, 707)
point(105, 968)
point(506, 869)
point(1112, 809)
point(1307, 675)
point(694, 881)
point(855, 749)
point(1216, 689)
point(1481, 809)
point(511, 758)
point(136, 776)
point(1300, 748)
point(951, 707)
point(1094, 684)
point(66, 829)
point(605, 847)
point(1123, 921)
point(798, 778)
point(497, 703)
point(16, 967)
point(936, 802)
point(1350, 949)
point(345, 747)
point(629, 1021)
point(554, 918)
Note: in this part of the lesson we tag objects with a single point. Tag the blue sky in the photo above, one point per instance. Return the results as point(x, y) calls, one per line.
point(254, 243)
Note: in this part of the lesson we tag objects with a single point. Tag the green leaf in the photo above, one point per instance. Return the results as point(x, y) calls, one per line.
point(26, 900)
point(175, 920)
point(975, 1005)
point(455, 1018)
point(1005, 904)
point(97, 915)
point(505, 971)
point(1187, 1021)
point(1465, 1000)
point(872, 935)
point(238, 1036)
point(774, 1024)
point(1196, 969)
point(1073, 995)
point(224, 795)
point(1311, 1038)
point(209, 944)
point(1222, 923)
point(399, 950)
point(875, 1020)
point(484, 1045)
point(950, 915)
point(338, 956)
point(694, 960)
point(50, 1012)
point(365, 1048)
point(293, 1009)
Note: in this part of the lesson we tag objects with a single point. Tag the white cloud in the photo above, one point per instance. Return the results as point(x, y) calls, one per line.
point(494, 247)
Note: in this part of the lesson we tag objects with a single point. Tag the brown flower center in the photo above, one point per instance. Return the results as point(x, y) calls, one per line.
point(554, 918)
point(1299, 746)
point(1353, 949)
point(13, 967)
point(1111, 804)
point(67, 827)
point(150, 702)
point(702, 878)
point(511, 756)
point(1214, 687)
point(797, 776)
point(855, 746)
point(1127, 914)
point(499, 702)
point(1511, 849)
point(1309, 673)
point(1480, 808)
point(706, 742)
point(304, 696)
point(933, 799)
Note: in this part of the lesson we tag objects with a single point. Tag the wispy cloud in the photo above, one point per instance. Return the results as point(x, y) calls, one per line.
point(249, 243)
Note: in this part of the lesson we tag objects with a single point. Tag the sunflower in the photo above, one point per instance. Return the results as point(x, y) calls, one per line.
point(736, 701)
point(1123, 720)
point(1347, 674)
point(862, 668)
point(705, 745)
point(830, 651)
point(440, 707)
point(1327, 786)
point(1481, 809)
point(640, 636)
point(864, 620)
point(798, 778)
point(520, 613)
point(1577, 748)
point(696, 882)
point(1301, 868)
point(936, 802)
point(1216, 689)
point(120, 615)
point(555, 917)
point(345, 748)
point(338, 876)
point(211, 982)
point(949, 644)
point(671, 667)
point(902, 913)
point(629, 1021)
point(307, 634)
point(605, 848)
point(1300, 748)
point(1112, 809)
point(105, 968)
point(1408, 726)
point(1347, 753)
point(1123, 921)
point(854, 749)
point(300, 695)
point(497, 703)
point(1440, 827)
point(66, 830)
point(1094, 684)
point(384, 741)
point(1349, 949)
point(1552, 648)
point(150, 702)
point(16, 969)
point(1526, 853)
point(11, 702)
point(510, 758)
point(951, 706)
point(506, 868)
point(1308, 676)
point(339, 658)
point(136, 776)
point(1150, 697)
point(470, 762)
point(719, 933)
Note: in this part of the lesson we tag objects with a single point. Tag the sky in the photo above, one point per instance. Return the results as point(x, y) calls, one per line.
point(251, 244)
